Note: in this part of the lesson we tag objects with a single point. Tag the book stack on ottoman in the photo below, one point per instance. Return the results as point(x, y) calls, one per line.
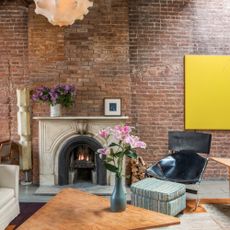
point(159, 195)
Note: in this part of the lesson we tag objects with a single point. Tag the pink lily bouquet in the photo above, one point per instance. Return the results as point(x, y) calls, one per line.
point(119, 143)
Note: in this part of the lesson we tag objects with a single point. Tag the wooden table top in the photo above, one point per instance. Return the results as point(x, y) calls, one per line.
point(221, 160)
point(78, 210)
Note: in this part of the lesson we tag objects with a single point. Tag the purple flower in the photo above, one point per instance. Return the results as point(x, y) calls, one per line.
point(61, 94)
point(41, 94)
point(67, 88)
point(35, 97)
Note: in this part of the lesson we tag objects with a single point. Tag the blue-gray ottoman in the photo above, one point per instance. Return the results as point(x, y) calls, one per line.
point(159, 195)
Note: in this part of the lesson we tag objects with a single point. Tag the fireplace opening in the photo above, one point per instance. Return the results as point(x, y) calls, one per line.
point(82, 164)
point(78, 162)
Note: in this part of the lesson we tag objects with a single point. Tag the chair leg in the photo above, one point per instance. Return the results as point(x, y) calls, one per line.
point(197, 198)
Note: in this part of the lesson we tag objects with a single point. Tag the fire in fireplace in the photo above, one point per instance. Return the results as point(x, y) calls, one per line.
point(79, 162)
point(82, 164)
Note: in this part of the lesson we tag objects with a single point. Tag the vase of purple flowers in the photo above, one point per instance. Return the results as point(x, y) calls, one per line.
point(55, 110)
point(56, 97)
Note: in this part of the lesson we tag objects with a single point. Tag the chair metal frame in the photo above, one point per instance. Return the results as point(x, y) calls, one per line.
point(175, 147)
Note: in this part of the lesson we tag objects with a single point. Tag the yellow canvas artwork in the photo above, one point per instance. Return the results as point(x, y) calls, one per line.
point(207, 92)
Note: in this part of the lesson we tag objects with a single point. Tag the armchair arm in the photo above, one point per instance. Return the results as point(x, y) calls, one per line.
point(9, 177)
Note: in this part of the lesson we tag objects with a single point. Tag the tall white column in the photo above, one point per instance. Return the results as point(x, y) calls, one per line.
point(24, 130)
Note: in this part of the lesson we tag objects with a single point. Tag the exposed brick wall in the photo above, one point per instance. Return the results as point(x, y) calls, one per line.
point(130, 49)
point(97, 56)
point(161, 33)
point(92, 54)
point(13, 63)
point(46, 64)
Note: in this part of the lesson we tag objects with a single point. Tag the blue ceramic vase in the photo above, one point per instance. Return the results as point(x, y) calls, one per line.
point(118, 198)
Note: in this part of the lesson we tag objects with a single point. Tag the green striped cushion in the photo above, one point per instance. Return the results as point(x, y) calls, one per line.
point(158, 189)
point(172, 207)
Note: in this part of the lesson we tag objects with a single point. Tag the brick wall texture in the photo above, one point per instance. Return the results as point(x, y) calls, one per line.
point(132, 49)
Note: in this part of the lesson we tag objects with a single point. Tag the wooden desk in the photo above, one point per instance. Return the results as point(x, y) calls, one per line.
point(225, 162)
point(77, 210)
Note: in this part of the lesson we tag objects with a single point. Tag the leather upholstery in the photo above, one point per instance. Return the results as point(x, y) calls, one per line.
point(184, 165)
point(192, 141)
point(180, 167)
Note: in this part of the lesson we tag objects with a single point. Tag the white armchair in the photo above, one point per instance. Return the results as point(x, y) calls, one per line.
point(9, 189)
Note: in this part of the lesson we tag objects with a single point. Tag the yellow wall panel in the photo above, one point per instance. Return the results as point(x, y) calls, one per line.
point(207, 92)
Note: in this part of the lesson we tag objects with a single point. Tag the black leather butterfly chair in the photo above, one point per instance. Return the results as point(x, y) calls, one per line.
point(184, 164)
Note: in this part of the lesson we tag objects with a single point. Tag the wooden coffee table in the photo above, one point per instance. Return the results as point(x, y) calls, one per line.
point(225, 162)
point(78, 210)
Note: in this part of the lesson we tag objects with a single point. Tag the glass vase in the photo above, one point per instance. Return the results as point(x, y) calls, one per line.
point(118, 197)
point(55, 110)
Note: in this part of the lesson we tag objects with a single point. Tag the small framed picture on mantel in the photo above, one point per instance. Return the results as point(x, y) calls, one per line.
point(112, 106)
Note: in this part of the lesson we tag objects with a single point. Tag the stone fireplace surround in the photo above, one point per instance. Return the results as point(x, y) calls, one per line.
point(55, 132)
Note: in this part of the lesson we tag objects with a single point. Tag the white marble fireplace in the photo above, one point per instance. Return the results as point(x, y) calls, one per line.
point(55, 132)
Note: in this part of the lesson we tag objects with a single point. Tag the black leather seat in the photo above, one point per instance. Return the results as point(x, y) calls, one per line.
point(184, 164)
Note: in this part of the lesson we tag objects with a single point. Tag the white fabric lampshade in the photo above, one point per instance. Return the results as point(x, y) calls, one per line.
point(63, 12)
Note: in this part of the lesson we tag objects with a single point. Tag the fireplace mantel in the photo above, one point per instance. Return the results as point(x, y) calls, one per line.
point(54, 132)
point(84, 118)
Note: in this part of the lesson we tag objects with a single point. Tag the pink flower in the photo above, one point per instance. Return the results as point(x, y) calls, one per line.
point(121, 132)
point(104, 133)
point(126, 129)
point(134, 142)
point(131, 140)
point(140, 144)
point(103, 151)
